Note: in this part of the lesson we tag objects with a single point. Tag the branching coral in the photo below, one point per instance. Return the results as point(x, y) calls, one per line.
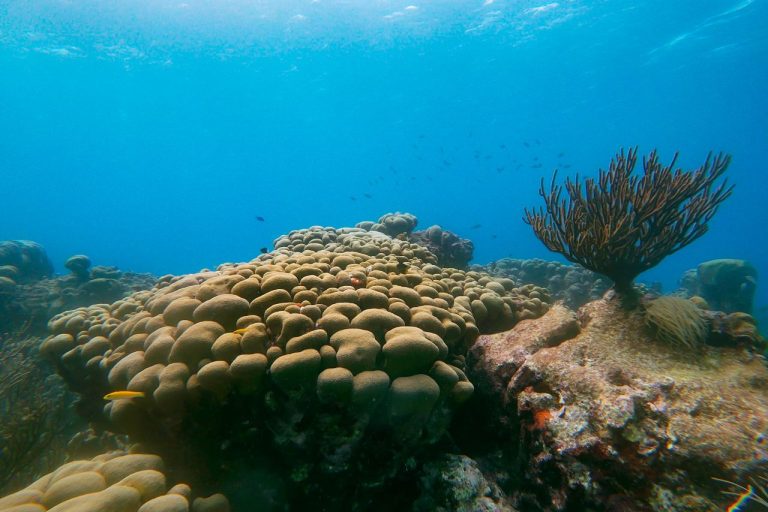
point(622, 224)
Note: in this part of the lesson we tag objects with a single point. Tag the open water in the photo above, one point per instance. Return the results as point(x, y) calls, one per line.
point(153, 135)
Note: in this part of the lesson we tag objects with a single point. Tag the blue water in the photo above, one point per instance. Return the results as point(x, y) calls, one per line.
point(151, 134)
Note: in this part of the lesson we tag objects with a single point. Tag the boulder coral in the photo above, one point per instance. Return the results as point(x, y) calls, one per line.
point(111, 482)
point(725, 284)
point(450, 249)
point(24, 261)
point(339, 348)
point(392, 224)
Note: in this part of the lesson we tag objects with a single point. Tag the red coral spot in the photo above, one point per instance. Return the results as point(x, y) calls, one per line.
point(540, 419)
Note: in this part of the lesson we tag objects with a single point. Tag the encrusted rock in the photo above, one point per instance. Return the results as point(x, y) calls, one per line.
point(609, 416)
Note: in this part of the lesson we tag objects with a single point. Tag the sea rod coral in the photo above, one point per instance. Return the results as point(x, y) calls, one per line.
point(623, 224)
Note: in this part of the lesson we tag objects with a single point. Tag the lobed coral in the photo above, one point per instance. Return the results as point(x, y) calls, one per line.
point(392, 224)
point(340, 360)
point(111, 482)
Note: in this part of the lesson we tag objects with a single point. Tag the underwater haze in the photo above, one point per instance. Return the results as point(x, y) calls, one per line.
point(167, 136)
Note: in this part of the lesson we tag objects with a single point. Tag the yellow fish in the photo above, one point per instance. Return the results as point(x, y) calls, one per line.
point(240, 331)
point(117, 395)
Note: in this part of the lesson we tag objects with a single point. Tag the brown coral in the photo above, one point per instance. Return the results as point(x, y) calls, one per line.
point(324, 346)
point(620, 225)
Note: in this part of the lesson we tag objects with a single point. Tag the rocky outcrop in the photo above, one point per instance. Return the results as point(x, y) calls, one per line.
point(605, 416)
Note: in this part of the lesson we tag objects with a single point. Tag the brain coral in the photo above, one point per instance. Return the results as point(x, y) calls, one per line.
point(112, 482)
point(320, 346)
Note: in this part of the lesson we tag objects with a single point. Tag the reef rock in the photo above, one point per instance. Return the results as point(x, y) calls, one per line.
point(599, 414)
point(455, 483)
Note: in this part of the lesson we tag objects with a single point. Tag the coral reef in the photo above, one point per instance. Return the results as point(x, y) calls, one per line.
point(433, 245)
point(22, 261)
point(111, 482)
point(572, 284)
point(599, 414)
point(392, 234)
point(456, 483)
point(362, 369)
point(31, 302)
point(341, 353)
point(357, 239)
point(726, 285)
point(392, 224)
point(79, 265)
point(450, 249)
point(36, 412)
point(621, 225)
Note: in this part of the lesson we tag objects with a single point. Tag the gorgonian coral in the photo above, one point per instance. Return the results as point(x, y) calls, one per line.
point(621, 224)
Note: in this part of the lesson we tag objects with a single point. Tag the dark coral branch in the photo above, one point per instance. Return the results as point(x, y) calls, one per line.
point(622, 224)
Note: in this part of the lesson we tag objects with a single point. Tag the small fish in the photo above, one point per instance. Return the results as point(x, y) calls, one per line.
point(263, 250)
point(446, 163)
point(118, 395)
point(536, 166)
point(494, 236)
point(352, 198)
point(567, 166)
point(241, 330)
point(561, 154)
point(526, 144)
point(368, 196)
point(502, 146)
point(260, 218)
point(476, 226)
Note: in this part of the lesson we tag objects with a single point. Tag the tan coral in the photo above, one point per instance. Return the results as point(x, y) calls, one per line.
point(111, 482)
point(281, 319)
